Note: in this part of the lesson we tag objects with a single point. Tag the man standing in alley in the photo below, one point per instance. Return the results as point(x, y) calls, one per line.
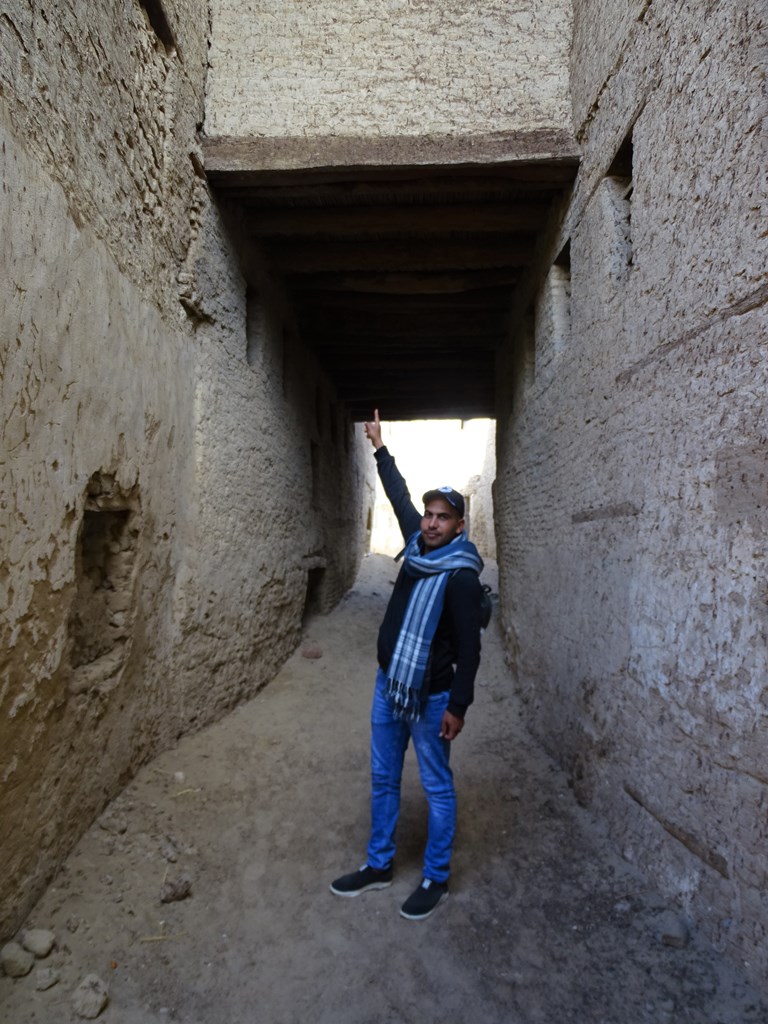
point(428, 655)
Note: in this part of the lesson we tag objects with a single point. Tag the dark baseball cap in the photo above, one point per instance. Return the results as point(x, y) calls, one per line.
point(447, 494)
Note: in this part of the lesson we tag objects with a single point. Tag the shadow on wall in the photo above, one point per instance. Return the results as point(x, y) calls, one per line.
point(430, 453)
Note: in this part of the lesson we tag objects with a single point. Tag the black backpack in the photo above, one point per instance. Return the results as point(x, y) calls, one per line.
point(486, 606)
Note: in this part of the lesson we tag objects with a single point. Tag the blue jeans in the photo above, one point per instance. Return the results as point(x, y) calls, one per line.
point(389, 740)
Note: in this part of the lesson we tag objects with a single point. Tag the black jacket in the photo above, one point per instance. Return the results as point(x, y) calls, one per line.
point(455, 653)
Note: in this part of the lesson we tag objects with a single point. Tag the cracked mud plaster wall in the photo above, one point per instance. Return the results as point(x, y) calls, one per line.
point(154, 486)
point(632, 492)
point(387, 67)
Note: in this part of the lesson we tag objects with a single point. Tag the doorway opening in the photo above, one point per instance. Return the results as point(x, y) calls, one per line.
point(312, 601)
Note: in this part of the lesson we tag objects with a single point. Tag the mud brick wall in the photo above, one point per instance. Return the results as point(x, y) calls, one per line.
point(387, 67)
point(177, 480)
point(632, 492)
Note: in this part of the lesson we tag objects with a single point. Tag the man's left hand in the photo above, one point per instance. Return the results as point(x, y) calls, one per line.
point(451, 726)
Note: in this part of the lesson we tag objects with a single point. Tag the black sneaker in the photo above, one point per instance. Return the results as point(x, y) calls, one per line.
point(361, 881)
point(424, 900)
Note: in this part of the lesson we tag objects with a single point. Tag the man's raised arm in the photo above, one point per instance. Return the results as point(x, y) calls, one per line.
point(393, 482)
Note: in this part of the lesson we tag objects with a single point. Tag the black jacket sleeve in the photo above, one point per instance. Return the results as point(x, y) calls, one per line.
point(396, 489)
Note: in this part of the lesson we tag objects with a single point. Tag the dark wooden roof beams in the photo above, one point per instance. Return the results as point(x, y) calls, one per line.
point(400, 275)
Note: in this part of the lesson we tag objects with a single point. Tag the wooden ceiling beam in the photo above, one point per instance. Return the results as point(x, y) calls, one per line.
point(404, 221)
point(448, 283)
point(532, 185)
point(445, 254)
point(423, 411)
point(390, 342)
point(318, 320)
point(429, 403)
point(375, 302)
point(455, 368)
point(416, 283)
point(474, 351)
point(373, 391)
point(249, 159)
point(483, 336)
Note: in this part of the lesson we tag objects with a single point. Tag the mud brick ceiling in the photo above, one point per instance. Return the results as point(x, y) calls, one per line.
point(400, 257)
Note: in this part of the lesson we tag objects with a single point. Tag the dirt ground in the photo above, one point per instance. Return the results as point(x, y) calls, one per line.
point(544, 925)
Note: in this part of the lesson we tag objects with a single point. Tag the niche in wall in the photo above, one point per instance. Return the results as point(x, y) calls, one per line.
point(618, 186)
point(314, 452)
point(319, 421)
point(313, 602)
point(158, 21)
point(103, 610)
point(560, 285)
point(255, 328)
point(528, 347)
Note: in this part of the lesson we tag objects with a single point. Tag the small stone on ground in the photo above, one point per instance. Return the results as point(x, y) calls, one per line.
point(176, 889)
point(673, 930)
point(90, 997)
point(46, 977)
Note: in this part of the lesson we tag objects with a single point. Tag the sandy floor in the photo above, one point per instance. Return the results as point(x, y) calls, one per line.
point(261, 811)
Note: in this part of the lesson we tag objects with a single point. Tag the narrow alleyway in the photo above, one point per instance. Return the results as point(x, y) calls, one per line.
point(544, 925)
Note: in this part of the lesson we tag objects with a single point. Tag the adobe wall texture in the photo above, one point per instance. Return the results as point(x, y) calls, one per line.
point(178, 481)
point(632, 496)
point(387, 67)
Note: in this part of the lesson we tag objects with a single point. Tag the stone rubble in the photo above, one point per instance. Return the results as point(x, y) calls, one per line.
point(39, 941)
point(16, 962)
point(176, 889)
point(46, 977)
point(673, 930)
point(90, 997)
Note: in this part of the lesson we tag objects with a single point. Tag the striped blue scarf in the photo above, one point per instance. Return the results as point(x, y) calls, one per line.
point(407, 684)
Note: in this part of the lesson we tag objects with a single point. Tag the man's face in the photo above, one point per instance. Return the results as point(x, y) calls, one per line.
point(440, 523)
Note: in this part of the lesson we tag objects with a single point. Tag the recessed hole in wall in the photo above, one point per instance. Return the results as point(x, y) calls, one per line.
point(319, 411)
point(312, 602)
point(287, 347)
point(619, 183)
point(158, 22)
point(563, 259)
point(315, 456)
point(528, 328)
point(622, 163)
point(560, 286)
point(101, 618)
point(255, 327)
